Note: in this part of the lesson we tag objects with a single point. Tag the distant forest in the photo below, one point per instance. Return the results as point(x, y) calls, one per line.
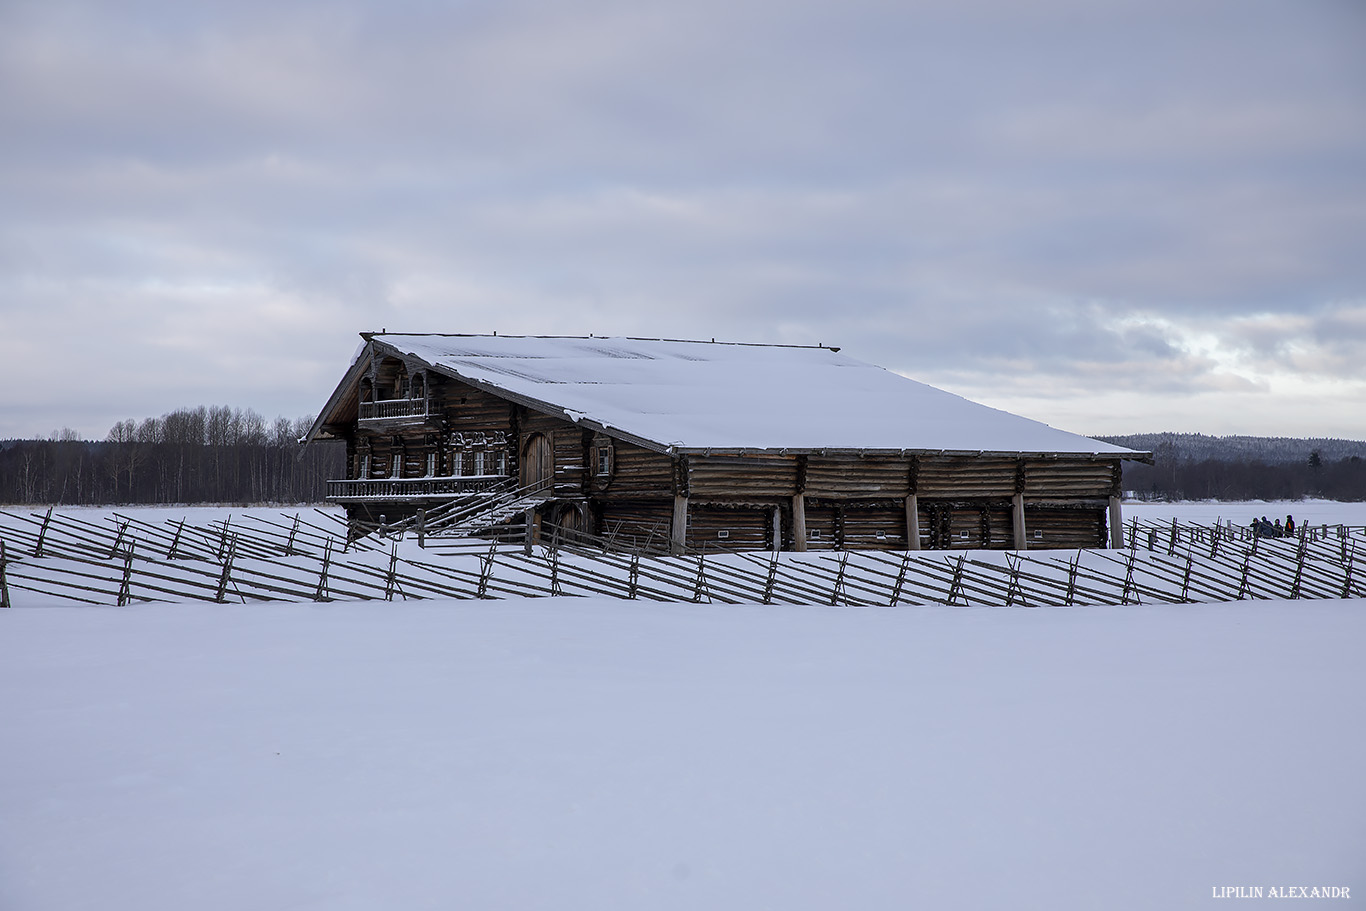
point(1193, 466)
point(225, 455)
point(197, 455)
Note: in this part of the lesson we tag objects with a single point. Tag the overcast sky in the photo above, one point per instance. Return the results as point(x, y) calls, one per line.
point(1113, 217)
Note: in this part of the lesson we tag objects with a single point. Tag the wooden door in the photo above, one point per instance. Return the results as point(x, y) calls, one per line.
point(538, 462)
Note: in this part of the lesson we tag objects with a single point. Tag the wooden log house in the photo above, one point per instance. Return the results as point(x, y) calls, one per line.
point(711, 446)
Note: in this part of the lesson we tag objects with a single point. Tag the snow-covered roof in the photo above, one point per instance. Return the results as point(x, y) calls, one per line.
point(689, 395)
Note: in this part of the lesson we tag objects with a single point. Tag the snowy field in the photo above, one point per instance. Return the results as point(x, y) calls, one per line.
point(593, 754)
point(1316, 512)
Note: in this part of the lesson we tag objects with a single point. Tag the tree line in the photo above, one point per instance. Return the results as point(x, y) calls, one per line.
point(1195, 467)
point(213, 454)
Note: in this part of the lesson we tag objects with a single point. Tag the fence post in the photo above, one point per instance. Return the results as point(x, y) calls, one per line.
point(422, 527)
point(1129, 580)
point(1013, 588)
point(391, 580)
point(956, 585)
point(1072, 580)
point(839, 580)
point(4, 583)
point(42, 534)
point(1243, 589)
point(633, 587)
point(1299, 572)
point(175, 542)
point(321, 594)
point(486, 569)
point(900, 579)
point(772, 578)
point(221, 596)
point(1346, 580)
point(289, 545)
point(114, 551)
point(125, 588)
point(700, 585)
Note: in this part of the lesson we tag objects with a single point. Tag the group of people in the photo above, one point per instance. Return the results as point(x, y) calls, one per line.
point(1263, 528)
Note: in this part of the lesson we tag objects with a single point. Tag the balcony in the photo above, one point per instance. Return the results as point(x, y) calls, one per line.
point(406, 489)
point(393, 411)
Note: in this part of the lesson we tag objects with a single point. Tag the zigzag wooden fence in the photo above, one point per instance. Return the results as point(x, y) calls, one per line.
point(50, 556)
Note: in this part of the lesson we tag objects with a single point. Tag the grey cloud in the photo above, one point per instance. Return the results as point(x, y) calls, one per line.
point(1060, 197)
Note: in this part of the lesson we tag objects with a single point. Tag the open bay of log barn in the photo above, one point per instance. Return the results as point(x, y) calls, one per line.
point(705, 446)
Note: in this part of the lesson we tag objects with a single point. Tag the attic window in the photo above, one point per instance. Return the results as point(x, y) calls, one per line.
point(604, 460)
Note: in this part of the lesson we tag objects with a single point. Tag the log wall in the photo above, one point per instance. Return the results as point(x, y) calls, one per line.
point(713, 527)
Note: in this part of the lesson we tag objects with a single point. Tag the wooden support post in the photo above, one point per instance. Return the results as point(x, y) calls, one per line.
point(777, 529)
point(422, 526)
point(799, 522)
point(530, 530)
point(1018, 521)
point(1116, 524)
point(678, 536)
point(912, 522)
point(289, 545)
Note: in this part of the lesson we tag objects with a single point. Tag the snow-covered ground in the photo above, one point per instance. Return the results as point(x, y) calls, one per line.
point(1315, 512)
point(572, 753)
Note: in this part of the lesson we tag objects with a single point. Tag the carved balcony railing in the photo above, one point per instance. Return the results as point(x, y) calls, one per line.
point(393, 409)
point(415, 488)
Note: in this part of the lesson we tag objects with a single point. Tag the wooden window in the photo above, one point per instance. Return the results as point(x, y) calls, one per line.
point(479, 462)
point(431, 464)
point(364, 466)
point(604, 460)
point(502, 457)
